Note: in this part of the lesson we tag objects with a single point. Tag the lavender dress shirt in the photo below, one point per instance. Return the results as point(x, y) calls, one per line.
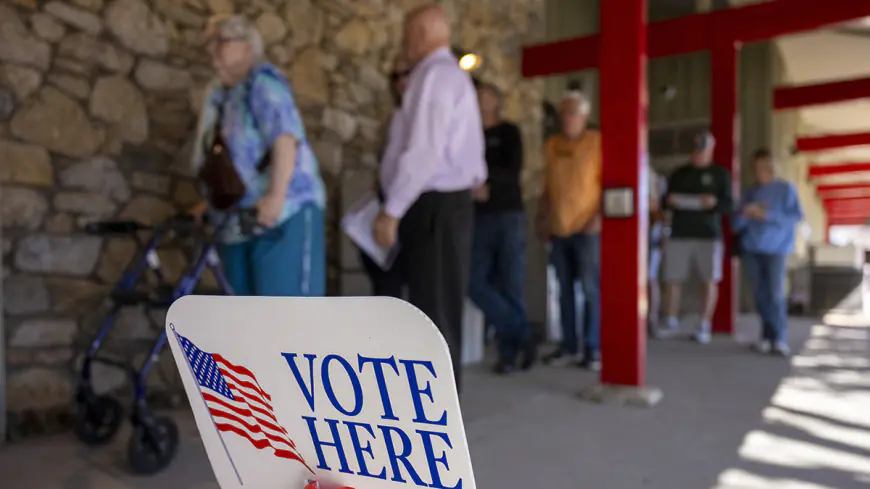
point(436, 139)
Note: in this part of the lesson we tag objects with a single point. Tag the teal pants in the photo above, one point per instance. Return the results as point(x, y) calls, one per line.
point(287, 261)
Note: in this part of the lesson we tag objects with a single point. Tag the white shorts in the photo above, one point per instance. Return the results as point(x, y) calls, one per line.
point(681, 255)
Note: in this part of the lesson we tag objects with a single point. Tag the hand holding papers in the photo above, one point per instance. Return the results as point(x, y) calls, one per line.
point(755, 211)
point(686, 202)
point(357, 224)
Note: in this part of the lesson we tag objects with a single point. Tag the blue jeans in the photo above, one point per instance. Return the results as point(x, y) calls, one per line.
point(287, 261)
point(497, 279)
point(766, 275)
point(578, 257)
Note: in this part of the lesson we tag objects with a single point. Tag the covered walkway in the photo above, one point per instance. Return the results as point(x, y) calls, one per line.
point(729, 420)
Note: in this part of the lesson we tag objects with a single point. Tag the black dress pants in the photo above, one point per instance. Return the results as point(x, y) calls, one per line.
point(385, 283)
point(435, 236)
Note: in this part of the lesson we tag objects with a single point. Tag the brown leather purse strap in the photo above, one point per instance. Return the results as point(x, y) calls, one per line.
point(218, 123)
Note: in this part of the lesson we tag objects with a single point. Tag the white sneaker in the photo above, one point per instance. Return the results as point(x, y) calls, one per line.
point(667, 328)
point(781, 349)
point(763, 346)
point(702, 337)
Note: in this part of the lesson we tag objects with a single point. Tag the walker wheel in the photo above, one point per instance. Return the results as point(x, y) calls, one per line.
point(97, 420)
point(152, 446)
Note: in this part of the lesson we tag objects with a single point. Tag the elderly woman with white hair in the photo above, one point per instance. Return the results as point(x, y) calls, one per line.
point(770, 211)
point(254, 157)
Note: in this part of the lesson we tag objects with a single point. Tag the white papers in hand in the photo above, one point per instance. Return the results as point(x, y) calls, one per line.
point(687, 202)
point(358, 223)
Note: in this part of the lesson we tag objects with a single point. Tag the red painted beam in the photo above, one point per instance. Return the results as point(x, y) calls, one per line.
point(845, 194)
point(725, 124)
point(838, 214)
point(842, 186)
point(624, 240)
point(848, 205)
point(816, 171)
point(564, 56)
point(832, 141)
point(848, 221)
point(847, 213)
point(696, 32)
point(766, 20)
point(844, 191)
point(863, 217)
point(787, 97)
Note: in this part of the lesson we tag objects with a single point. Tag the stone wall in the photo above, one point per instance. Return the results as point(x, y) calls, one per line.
point(98, 99)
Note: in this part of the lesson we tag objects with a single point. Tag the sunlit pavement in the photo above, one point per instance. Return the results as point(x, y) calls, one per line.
point(730, 420)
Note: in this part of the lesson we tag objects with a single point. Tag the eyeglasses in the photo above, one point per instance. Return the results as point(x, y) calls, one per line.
point(397, 75)
point(220, 41)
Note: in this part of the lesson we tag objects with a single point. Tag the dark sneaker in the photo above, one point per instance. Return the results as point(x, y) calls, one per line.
point(528, 354)
point(503, 368)
point(652, 330)
point(590, 361)
point(560, 358)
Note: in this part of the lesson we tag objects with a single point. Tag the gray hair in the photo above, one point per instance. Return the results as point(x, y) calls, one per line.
point(239, 27)
point(580, 98)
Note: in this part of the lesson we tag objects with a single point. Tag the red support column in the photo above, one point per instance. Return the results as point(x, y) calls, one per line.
point(726, 129)
point(624, 240)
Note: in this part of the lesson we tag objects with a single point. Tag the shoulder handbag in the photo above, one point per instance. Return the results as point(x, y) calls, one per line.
point(224, 185)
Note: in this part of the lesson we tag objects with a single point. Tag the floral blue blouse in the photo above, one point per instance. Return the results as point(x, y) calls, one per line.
point(255, 113)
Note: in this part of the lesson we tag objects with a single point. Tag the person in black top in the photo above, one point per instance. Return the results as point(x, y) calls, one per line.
point(698, 195)
point(389, 283)
point(498, 256)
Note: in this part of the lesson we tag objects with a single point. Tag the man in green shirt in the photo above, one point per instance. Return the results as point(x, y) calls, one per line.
point(698, 194)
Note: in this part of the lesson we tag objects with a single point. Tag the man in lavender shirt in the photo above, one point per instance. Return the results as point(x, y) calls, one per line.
point(434, 157)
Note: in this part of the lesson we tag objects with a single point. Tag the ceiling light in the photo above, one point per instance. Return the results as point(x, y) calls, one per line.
point(469, 62)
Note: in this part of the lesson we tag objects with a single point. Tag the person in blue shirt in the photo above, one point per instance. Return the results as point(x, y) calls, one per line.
point(766, 222)
point(250, 102)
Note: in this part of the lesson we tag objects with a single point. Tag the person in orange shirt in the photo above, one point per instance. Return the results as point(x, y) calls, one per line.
point(569, 219)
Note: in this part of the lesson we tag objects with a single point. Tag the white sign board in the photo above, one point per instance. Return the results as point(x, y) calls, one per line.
point(347, 391)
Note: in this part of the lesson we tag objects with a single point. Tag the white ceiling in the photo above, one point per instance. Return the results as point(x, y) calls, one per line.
point(831, 55)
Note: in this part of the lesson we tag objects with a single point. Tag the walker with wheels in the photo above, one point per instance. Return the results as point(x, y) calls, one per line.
point(97, 417)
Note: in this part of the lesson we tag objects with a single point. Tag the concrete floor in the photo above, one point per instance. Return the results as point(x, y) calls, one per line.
point(729, 420)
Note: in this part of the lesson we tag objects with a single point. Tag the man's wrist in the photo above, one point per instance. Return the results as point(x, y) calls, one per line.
point(388, 216)
point(391, 210)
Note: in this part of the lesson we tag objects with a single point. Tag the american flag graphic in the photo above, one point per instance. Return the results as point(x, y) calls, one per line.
point(237, 403)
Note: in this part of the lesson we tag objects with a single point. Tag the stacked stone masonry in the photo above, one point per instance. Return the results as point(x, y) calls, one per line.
point(98, 102)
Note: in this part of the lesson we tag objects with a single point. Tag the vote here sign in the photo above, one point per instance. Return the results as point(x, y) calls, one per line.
point(352, 392)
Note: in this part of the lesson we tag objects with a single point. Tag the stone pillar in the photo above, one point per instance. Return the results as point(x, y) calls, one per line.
point(2, 344)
